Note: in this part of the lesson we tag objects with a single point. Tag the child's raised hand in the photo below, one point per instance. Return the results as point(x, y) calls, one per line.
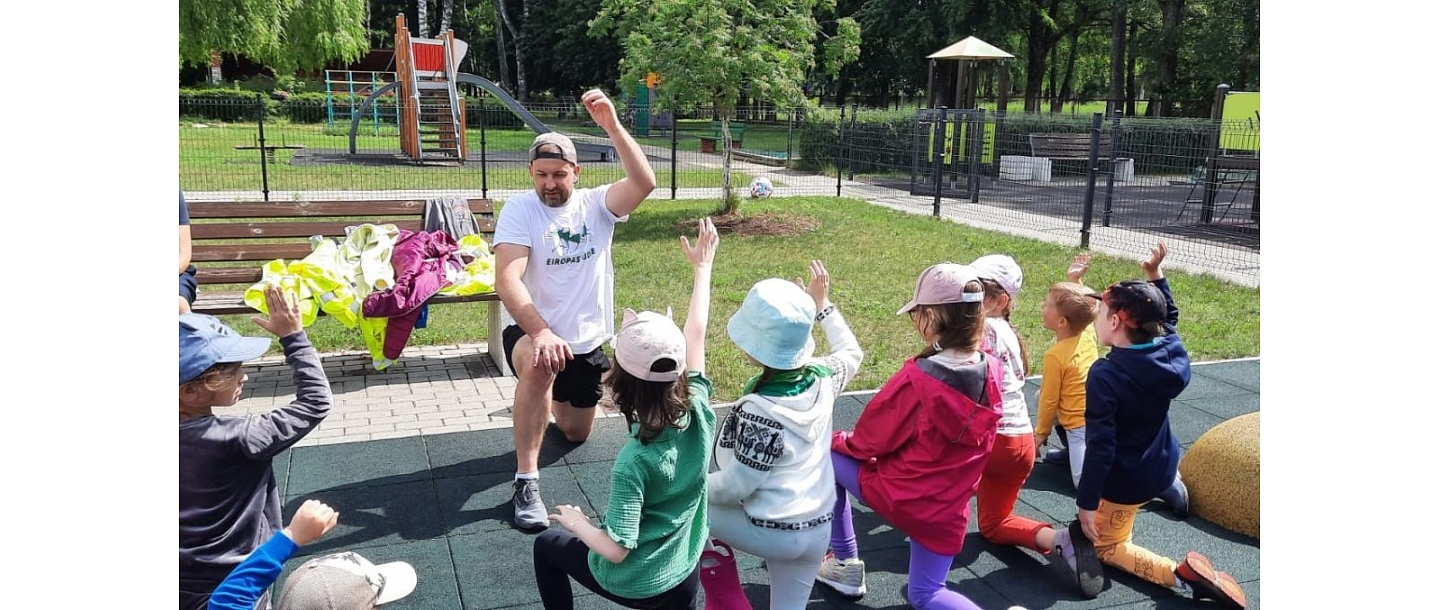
point(1152, 265)
point(705, 244)
point(284, 310)
point(313, 520)
point(1078, 266)
point(819, 287)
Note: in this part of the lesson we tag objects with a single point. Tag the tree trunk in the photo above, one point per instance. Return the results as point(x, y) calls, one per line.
point(1117, 57)
point(731, 201)
point(500, 49)
point(446, 8)
point(520, 88)
point(1053, 69)
point(1171, 14)
point(1039, 41)
point(1066, 83)
point(1130, 69)
point(422, 24)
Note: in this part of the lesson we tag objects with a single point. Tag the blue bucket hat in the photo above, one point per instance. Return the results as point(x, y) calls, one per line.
point(773, 324)
point(206, 341)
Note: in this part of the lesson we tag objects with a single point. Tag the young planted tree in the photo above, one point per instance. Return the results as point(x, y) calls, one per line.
point(285, 35)
point(707, 52)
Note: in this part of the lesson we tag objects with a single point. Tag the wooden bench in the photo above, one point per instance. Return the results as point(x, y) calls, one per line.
point(1076, 147)
point(737, 135)
point(232, 240)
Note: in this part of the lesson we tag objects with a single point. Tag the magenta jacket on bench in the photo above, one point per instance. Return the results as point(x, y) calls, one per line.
point(419, 260)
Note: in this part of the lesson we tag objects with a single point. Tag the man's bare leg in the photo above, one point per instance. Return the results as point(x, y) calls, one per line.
point(531, 415)
point(575, 423)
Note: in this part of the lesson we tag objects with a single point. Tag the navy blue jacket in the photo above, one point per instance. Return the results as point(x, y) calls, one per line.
point(1130, 454)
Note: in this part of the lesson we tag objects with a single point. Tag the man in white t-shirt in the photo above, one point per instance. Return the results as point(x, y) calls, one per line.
point(553, 273)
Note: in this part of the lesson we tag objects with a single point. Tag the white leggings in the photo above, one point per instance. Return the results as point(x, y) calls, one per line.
point(792, 557)
point(1076, 440)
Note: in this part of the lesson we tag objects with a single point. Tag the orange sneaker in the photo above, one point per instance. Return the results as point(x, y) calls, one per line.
point(1207, 583)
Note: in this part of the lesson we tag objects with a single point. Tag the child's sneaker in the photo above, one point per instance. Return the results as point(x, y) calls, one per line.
point(1178, 498)
point(846, 577)
point(1088, 571)
point(1206, 583)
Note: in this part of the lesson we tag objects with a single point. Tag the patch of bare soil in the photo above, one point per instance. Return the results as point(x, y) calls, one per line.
point(773, 224)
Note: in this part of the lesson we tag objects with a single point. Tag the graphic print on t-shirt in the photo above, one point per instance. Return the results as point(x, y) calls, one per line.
point(569, 246)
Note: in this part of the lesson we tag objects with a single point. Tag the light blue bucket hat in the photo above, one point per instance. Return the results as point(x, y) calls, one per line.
point(773, 324)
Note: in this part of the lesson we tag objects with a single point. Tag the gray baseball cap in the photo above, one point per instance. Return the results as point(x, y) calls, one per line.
point(554, 145)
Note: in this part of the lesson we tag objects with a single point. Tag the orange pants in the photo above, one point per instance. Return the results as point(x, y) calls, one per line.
point(1115, 524)
point(1005, 472)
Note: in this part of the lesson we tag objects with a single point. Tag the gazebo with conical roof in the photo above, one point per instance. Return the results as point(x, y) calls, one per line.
point(969, 53)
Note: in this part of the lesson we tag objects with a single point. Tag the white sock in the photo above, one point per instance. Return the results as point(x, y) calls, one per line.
point(1184, 586)
point(1062, 542)
point(533, 475)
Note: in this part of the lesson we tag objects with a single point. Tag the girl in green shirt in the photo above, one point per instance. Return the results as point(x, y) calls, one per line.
point(647, 553)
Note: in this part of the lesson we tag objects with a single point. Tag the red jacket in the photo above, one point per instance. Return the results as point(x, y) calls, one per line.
point(930, 443)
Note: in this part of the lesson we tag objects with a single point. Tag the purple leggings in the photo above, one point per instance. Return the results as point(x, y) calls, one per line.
point(928, 570)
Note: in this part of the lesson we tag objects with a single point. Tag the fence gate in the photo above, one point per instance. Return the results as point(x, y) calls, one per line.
point(949, 152)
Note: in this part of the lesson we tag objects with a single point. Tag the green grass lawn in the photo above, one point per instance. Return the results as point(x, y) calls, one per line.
point(874, 255)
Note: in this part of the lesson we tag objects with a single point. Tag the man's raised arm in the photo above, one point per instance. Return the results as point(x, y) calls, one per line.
point(639, 180)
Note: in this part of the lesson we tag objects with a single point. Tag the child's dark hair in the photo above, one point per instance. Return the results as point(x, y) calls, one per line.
point(993, 290)
point(1145, 333)
point(655, 405)
point(215, 377)
point(957, 326)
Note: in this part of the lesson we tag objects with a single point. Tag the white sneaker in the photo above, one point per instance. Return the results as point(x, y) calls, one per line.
point(846, 578)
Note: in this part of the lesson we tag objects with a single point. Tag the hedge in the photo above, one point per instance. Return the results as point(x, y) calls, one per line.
point(238, 106)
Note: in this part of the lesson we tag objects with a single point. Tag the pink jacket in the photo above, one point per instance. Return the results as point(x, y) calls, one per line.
point(929, 443)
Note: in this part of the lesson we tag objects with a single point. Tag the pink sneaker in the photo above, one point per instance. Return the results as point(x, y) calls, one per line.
point(720, 577)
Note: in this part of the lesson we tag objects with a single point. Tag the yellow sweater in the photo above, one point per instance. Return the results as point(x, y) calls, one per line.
point(1062, 381)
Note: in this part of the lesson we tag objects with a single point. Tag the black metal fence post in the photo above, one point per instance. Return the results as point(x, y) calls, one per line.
point(938, 150)
point(1110, 176)
point(1212, 173)
point(264, 168)
point(977, 150)
point(484, 172)
point(840, 152)
point(1095, 127)
point(850, 159)
point(674, 142)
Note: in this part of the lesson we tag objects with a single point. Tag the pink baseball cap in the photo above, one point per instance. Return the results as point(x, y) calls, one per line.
point(646, 338)
point(944, 283)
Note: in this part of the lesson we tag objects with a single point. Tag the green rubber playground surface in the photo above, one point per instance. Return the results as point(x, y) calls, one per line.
point(441, 503)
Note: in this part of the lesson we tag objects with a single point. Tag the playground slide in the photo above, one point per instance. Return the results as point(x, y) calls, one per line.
point(605, 151)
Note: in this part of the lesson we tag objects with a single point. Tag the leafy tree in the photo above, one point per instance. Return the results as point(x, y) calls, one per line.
point(286, 35)
point(709, 52)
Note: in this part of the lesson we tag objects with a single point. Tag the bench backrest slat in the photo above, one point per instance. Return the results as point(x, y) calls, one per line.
point(247, 234)
point(293, 209)
point(256, 230)
point(1066, 145)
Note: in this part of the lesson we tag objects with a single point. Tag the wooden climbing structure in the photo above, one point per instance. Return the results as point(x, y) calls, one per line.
point(432, 114)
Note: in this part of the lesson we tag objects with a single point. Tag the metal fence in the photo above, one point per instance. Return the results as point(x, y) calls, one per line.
point(1112, 184)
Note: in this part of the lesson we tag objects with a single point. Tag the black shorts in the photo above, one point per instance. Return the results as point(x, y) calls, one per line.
point(187, 284)
point(579, 383)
